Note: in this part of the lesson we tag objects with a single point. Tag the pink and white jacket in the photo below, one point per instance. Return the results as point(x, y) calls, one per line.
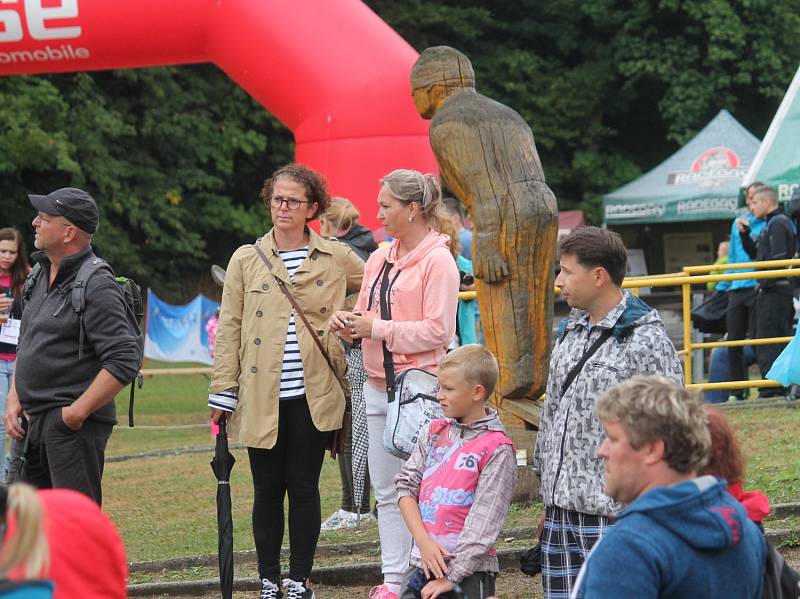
point(462, 477)
point(424, 300)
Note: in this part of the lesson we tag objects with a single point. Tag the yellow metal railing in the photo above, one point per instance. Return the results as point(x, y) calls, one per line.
point(692, 275)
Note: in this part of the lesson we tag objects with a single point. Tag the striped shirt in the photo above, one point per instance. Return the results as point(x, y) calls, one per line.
point(292, 383)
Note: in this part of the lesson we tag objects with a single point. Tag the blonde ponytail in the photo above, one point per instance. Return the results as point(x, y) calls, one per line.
point(28, 545)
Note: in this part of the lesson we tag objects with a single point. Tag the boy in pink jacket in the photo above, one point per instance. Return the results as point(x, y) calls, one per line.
point(456, 487)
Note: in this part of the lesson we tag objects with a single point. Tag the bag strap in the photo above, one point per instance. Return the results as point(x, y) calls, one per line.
point(78, 294)
point(386, 314)
point(30, 282)
point(585, 358)
point(296, 306)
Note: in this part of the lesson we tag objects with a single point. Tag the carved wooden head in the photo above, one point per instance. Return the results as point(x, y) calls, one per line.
point(439, 72)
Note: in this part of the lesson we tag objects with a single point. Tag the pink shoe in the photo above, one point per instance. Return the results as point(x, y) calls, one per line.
point(381, 592)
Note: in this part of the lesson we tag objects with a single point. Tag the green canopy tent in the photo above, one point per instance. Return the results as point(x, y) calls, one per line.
point(777, 162)
point(699, 182)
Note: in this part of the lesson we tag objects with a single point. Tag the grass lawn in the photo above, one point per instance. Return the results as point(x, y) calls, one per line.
point(165, 506)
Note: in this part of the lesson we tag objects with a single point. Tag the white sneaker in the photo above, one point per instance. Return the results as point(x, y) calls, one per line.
point(334, 522)
point(269, 590)
point(342, 519)
point(293, 589)
point(363, 519)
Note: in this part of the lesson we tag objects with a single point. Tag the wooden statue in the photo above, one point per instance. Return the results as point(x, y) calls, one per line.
point(488, 159)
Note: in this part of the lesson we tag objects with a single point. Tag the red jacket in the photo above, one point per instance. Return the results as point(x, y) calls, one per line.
point(87, 556)
point(755, 502)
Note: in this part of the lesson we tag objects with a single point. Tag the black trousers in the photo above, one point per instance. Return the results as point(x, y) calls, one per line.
point(773, 318)
point(60, 458)
point(291, 467)
point(737, 320)
point(479, 585)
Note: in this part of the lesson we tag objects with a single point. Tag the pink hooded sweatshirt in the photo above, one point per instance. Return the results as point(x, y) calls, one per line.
point(424, 299)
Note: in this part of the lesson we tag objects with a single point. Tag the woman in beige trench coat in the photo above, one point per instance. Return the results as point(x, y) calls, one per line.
point(269, 373)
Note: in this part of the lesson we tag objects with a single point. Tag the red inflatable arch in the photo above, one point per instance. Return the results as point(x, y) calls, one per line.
point(331, 70)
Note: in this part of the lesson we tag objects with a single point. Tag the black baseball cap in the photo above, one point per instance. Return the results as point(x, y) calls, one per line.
point(75, 205)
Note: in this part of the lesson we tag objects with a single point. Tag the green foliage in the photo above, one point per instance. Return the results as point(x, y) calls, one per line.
point(610, 89)
point(175, 157)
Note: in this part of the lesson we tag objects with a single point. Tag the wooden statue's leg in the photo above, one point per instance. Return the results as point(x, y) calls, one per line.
point(517, 313)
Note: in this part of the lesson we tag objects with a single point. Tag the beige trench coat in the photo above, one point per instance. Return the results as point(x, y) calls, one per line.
point(253, 321)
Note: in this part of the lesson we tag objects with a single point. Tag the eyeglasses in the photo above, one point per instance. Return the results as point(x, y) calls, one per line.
point(47, 221)
point(291, 204)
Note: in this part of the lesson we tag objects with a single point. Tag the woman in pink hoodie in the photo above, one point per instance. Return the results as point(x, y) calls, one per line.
point(423, 294)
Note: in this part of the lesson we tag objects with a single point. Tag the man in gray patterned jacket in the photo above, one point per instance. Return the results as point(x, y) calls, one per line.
point(620, 336)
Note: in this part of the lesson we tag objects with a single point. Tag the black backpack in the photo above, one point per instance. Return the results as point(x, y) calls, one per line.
point(781, 581)
point(131, 293)
point(793, 212)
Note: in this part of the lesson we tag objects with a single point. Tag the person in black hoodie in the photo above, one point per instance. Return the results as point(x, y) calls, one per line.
point(341, 220)
point(773, 311)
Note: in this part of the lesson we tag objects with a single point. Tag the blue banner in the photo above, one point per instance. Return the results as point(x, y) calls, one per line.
point(178, 333)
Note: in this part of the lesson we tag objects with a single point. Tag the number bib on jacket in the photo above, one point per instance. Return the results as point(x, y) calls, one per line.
point(452, 470)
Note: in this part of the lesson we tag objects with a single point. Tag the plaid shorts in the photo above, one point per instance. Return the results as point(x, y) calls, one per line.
point(567, 539)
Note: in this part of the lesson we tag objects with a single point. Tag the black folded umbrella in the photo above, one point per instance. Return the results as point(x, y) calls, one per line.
point(222, 464)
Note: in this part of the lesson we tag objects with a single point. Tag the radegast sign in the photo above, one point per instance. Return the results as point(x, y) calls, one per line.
point(713, 168)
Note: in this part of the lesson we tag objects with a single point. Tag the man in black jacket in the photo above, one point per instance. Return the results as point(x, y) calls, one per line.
point(66, 378)
point(773, 310)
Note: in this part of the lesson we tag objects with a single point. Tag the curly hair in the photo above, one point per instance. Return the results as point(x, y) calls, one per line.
point(725, 457)
point(314, 183)
point(654, 407)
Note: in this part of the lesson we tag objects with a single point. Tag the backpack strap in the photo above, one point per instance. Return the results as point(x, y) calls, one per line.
point(85, 273)
point(30, 281)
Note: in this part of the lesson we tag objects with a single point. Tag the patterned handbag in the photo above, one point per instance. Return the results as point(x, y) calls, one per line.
point(411, 395)
point(412, 405)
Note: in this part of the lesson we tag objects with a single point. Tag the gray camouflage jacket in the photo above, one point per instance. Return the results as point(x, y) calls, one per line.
point(569, 434)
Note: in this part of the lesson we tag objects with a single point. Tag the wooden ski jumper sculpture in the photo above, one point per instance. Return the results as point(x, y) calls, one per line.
point(488, 159)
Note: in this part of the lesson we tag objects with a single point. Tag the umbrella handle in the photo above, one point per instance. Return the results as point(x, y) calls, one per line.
point(222, 419)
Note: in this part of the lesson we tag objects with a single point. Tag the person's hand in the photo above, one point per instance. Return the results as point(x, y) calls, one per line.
point(437, 587)
point(742, 224)
point(360, 326)
point(13, 414)
point(71, 418)
point(216, 415)
point(340, 324)
point(5, 302)
point(540, 528)
point(433, 557)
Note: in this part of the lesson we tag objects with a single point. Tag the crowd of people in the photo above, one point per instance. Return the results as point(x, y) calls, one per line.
point(637, 477)
point(755, 308)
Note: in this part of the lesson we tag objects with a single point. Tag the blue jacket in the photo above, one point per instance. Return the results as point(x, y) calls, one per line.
point(737, 254)
point(466, 309)
point(691, 540)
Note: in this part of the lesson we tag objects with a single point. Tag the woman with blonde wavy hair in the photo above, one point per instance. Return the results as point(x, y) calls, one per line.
point(340, 220)
point(421, 291)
